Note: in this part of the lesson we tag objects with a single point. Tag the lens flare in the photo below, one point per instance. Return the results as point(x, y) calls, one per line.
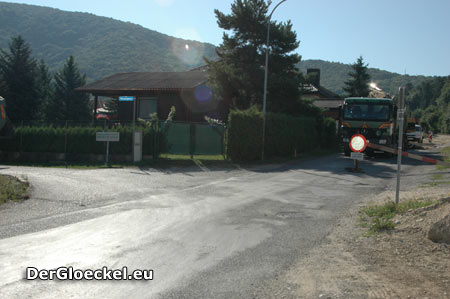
point(203, 94)
point(189, 53)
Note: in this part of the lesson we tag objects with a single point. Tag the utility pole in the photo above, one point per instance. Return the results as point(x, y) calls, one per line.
point(266, 69)
point(400, 120)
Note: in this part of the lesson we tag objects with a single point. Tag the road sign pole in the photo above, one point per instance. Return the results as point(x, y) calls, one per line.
point(107, 152)
point(134, 125)
point(400, 118)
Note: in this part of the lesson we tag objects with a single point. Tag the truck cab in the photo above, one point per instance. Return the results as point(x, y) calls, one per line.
point(374, 118)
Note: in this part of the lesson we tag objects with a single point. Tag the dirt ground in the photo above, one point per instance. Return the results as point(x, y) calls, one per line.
point(403, 263)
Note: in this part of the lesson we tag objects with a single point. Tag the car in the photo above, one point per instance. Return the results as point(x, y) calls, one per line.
point(416, 135)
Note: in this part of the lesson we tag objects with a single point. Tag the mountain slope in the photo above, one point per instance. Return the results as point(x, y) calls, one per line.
point(101, 46)
point(334, 74)
point(104, 46)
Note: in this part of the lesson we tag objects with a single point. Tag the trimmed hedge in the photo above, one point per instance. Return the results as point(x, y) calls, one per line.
point(285, 135)
point(76, 140)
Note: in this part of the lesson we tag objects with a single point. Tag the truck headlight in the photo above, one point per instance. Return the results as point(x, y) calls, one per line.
point(383, 141)
point(345, 140)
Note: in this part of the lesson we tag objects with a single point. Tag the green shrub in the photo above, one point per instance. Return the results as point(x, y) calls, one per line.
point(285, 135)
point(73, 140)
point(245, 134)
point(379, 217)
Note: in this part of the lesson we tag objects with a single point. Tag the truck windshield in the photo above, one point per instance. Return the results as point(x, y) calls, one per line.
point(362, 111)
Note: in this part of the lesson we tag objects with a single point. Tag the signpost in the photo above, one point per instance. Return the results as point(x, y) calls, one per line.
point(107, 137)
point(358, 144)
point(400, 118)
point(131, 99)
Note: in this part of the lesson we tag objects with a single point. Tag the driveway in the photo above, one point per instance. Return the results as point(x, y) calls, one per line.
point(206, 233)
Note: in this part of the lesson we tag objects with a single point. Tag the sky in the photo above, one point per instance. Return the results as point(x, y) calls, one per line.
point(402, 36)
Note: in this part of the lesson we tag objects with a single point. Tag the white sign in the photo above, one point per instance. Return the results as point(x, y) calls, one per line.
point(107, 136)
point(357, 156)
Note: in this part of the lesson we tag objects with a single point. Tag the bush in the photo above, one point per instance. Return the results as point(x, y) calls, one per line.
point(285, 135)
point(72, 140)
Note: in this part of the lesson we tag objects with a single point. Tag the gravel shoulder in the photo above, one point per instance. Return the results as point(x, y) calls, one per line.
point(403, 263)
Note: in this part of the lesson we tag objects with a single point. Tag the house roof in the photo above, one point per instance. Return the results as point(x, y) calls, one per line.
point(310, 89)
point(328, 103)
point(147, 81)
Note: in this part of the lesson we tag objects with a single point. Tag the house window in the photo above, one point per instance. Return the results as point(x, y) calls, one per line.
point(147, 106)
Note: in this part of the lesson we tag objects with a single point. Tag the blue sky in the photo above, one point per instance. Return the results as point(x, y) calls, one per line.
point(402, 36)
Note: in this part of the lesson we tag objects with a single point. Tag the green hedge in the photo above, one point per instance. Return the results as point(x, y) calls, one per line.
point(285, 135)
point(77, 140)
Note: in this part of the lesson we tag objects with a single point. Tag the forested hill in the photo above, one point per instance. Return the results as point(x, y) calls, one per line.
point(104, 46)
point(101, 46)
point(334, 74)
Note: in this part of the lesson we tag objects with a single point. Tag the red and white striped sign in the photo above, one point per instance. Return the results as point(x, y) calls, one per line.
point(406, 154)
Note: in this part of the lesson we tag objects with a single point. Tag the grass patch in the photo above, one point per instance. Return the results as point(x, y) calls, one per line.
point(434, 184)
point(12, 189)
point(378, 218)
point(437, 176)
point(446, 155)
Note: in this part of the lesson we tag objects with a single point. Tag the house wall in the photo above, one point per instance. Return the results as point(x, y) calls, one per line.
point(189, 106)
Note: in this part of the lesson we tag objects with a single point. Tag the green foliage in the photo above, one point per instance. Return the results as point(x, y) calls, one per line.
point(12, 189)
point(430, 101)
point(334, 74)
point(171, 114)
point(358, 84)
point(379, 217)
point(286, 135)
point(245, 134)
point(66, 104)
point(381, 224)
point(72, 140)
point(238, 77)
point(19, 88)
point(103, 46)
point(45, 91)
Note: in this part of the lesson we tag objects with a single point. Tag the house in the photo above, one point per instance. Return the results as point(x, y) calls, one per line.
point(321, 97)
point(158, 92)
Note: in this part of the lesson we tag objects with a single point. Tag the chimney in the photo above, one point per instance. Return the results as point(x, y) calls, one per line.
point(314, 76)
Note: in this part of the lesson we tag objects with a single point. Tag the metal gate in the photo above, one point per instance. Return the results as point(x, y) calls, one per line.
point(191, 139)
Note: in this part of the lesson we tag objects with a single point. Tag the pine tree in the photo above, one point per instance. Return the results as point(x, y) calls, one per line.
point(18, 73)
point(358, 84)
point(43, 82)
point(238, 76)
point(66, 104)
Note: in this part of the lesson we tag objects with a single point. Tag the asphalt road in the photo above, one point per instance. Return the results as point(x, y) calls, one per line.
point(206, 233)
